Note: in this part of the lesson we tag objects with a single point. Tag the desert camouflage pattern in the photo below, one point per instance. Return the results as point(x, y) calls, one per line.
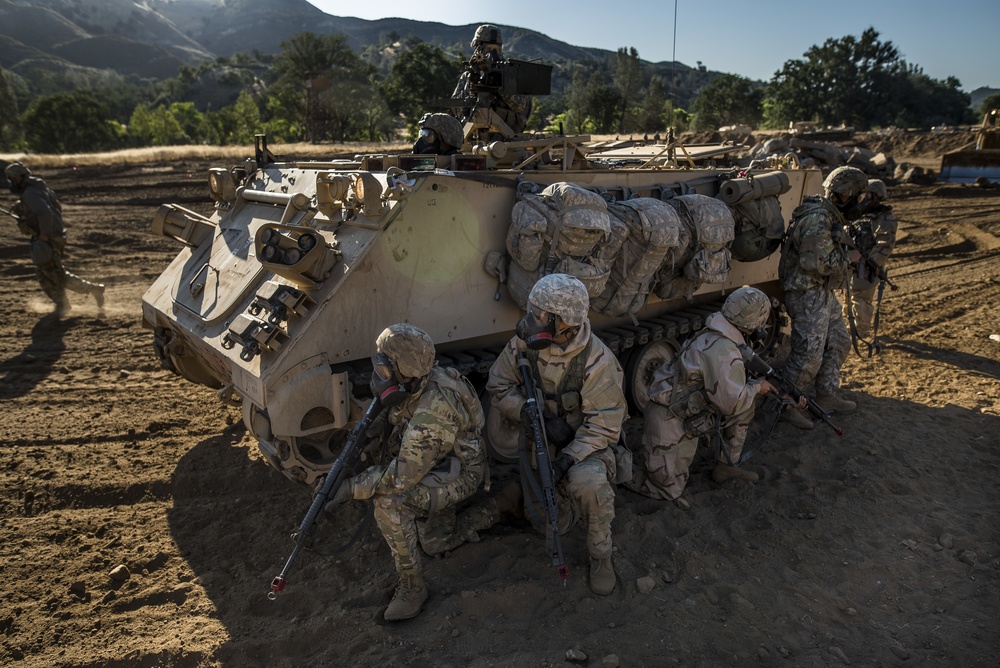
point(747, 309)
point(440, 462)
point(706, 379)
point(877, 187)
point(876, 235)
point(409, 347)
point(487, 34)
point(41, 210)
point(820, 342)
point(562, 294)
point(596, 413)
point(810, 255)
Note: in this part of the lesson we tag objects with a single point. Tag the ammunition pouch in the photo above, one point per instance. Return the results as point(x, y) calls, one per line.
point(559, 432)
point(40, 251)
point(440, 479)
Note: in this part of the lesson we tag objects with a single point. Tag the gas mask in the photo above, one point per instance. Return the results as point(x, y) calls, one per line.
point(756, 337)
point(427, 143)
point(385, 384)
point(851, 208)
point(536, 329)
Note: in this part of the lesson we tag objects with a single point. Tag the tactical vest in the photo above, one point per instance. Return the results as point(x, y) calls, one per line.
point(688, 400)
point(861, 230)
point(811, 204)
point(567, 394)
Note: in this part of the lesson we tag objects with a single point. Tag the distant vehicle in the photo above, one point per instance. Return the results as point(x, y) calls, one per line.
point(979, 159)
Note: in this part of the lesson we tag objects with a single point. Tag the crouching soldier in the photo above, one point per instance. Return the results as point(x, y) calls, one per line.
point(437, 419)
point(704, 390)
point(583, 411)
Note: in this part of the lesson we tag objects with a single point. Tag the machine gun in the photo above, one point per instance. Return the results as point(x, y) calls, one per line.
point(758, 368)
point(345, 461)
point(533, 412)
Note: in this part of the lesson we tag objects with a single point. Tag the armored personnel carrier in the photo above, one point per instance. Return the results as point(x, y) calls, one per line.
point(277, 297)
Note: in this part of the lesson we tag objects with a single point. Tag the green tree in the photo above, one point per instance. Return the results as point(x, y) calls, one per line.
point(989, 103)
point(728, 100)
point(651, 115)
point(75, 122)
point(849, 80)
point(10, 117)
point(419, 76)
point(627, 76)
point(156, 127)
point(303, 57)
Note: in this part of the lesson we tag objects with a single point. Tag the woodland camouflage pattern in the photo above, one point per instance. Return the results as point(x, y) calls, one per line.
point(813, 265)
point(706, 379)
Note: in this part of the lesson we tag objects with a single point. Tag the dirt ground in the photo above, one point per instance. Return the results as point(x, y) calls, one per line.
point(878, 548)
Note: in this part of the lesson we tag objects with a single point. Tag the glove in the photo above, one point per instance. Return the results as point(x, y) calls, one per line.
point(559, 432)
point(343, 494)
point(560, 466)
point(525, 418)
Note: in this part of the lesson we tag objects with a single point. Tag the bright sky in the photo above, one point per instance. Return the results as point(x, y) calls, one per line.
point(958, 38)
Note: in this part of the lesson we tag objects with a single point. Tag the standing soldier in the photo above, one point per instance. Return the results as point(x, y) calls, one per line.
point(704, 390)
point(39, 216)
point(437, 419)
point(584, 410)
point(875, 236)
point(481, 80)
point(814, 263)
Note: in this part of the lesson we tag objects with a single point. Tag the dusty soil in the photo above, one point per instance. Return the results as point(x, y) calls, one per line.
point(879, 548)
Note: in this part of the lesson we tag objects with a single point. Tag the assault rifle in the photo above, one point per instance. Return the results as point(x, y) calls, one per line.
point(536, 427)
point(846, 239)
point(758, 368)
point(345, 461)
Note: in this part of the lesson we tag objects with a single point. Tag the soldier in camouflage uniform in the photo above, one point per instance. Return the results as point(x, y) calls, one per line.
point(875, 236)
point(814, 263)
point(703, 391)
point(440, 134)
point(39, 215)
point(437, 419)
point(584, 410)
point(513, 110)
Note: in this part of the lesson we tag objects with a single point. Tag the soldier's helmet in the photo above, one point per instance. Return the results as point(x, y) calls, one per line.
point(410, 349)
point(16, 170)
point(747, 308)
point(486, 34)
point(848, 181)
point(562, 294)
point(877, 187)
point(447, 127)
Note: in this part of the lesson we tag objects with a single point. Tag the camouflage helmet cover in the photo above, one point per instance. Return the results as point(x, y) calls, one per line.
point(410, 348)
point(848, 181)
point(16, 170)
point(487, 34)
point(447, 127)
point(877, 187)
point(747, 308)
point(562, 294)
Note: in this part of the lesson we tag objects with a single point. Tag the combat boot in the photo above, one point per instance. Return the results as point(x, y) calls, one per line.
point(723, 472)
point(411, 592)
point(797, 418)
point(98, 292)
point(834, 404)
point(602, 575)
